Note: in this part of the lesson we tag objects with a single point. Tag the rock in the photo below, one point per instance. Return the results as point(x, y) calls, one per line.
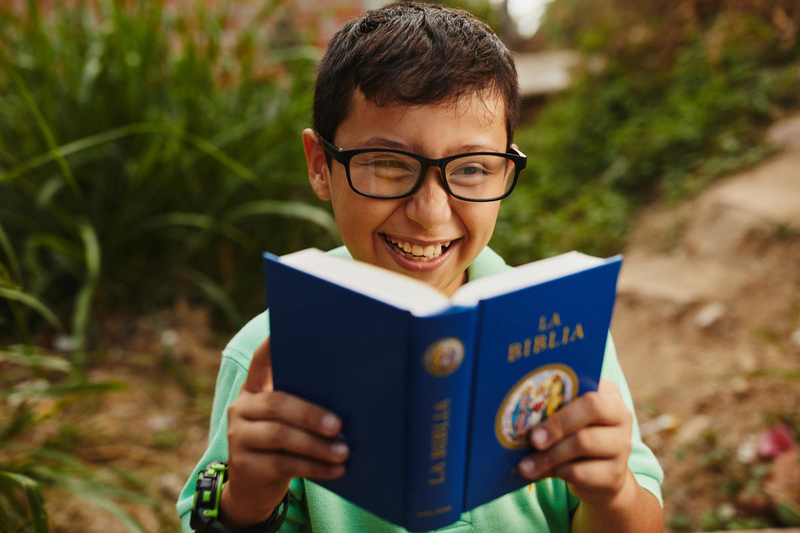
point(747, 452)
point(710, 315)
point(795, 337)
point(665, 422)
point(693, 429)
point(665, 278)
point(542, 73)
point(785, 133)
point(740, 387)
point(747, 361)
point(160, 422)
point(169, 338)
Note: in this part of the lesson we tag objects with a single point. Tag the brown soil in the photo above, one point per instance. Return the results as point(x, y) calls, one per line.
point(707, 328)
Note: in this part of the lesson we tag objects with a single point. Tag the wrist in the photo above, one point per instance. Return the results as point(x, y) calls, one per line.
point(240, 511)
point(620, 500)
point(211, 515)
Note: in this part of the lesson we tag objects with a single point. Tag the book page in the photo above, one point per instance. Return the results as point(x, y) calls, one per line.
point(390, 287)
point(524, 276)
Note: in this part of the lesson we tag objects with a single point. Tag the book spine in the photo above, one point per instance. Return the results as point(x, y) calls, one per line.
point(438, 417)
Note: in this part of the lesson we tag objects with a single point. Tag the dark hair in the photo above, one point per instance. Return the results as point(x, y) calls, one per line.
point(413, 53)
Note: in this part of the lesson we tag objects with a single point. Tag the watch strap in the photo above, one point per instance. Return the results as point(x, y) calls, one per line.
point(206, 505)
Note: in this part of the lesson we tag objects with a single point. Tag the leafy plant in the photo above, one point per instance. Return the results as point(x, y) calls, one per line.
point(145, 153)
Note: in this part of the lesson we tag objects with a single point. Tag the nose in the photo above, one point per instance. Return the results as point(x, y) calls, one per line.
point(430, 205)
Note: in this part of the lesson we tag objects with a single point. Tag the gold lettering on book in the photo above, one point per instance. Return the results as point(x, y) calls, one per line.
point(553, 335)
point(434, 512)
point(439, 433)
point(553, 322)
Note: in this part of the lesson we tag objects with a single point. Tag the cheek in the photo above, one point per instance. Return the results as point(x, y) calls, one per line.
point(479, 219)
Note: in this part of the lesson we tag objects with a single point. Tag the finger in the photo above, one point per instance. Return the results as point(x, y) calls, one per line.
point(594, 408)
point(285, 407)
point(592, 474)
point(594, 442)
point(270, 465)
point(259, 375)
point(276, 436)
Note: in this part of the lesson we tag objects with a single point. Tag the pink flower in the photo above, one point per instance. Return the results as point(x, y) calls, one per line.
point(775, 442)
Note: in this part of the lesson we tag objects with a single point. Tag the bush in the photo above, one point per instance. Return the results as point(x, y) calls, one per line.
point(674, 108)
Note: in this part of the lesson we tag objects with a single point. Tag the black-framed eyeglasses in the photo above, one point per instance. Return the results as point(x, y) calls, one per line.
point(391, 174)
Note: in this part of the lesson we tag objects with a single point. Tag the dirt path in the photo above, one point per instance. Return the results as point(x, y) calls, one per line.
point(707, 324)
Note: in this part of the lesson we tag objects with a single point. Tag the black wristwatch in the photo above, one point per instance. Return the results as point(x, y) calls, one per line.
point(205, 509)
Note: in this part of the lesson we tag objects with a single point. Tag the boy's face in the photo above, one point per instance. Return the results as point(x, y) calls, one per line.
point(374, 229)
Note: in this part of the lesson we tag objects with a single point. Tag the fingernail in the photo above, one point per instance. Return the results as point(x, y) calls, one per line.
point(330, 423)
point(527, 466)
point(539, 437)
point(339, 449)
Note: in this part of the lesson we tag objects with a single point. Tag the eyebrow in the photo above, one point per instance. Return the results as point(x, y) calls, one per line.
point(383, 142)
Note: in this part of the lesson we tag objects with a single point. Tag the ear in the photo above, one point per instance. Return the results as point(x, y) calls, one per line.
point(318, 171)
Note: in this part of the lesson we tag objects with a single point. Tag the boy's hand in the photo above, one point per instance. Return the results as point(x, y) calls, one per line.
point(586, 444)
point(273, 437)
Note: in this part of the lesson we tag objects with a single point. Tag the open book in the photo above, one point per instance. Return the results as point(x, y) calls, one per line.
point(436, 394)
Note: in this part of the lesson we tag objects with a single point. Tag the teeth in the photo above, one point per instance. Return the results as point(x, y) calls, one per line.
point(418, 252)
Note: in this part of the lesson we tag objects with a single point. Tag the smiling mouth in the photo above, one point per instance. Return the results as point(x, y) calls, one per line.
point(415, 251)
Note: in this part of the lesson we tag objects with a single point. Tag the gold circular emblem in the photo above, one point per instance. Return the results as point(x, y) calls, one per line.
point(443, 357)
point(531, 400)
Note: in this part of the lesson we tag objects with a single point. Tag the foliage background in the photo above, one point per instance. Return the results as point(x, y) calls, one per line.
point(149, 151)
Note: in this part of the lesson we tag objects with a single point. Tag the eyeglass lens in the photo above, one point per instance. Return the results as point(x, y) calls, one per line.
point(475, 177)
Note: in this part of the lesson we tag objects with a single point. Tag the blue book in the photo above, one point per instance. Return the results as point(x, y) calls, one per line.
point(436, 394)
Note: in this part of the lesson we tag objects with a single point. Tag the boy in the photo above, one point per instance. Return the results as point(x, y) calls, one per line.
point(400, 90)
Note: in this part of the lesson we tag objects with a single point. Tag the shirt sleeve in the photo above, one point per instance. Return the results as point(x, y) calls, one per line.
point(642, 462)
point(232, 372)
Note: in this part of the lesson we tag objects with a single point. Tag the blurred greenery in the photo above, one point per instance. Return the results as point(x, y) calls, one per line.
point(672, 96)
point(147, 151)
point(143, 155)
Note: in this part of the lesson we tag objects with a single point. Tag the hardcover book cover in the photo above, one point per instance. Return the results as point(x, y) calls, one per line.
point(436, 395)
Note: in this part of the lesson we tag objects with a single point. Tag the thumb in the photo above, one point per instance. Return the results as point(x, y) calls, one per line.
point(259, 376)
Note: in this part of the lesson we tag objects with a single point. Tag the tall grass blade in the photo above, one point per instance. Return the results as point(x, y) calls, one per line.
point(37, 360)
point(57, 245)
point(34, 303)
point(193, 220)
point(13, 260)
point(113, 509)
point(35, 500)
point(299, 210)
point(71, 387)
point(83, 303)
point(82, 484)
point(125, 131)
point(43, 127)
point(216, 294)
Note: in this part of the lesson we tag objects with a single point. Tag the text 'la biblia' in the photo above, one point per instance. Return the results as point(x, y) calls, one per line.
point(439, 431)
point(552, 334)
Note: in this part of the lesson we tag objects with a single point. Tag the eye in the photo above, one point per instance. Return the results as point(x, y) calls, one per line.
point(389, 164)
point(470, 170)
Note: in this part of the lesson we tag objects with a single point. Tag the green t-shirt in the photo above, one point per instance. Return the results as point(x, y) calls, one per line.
point(545, 506)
